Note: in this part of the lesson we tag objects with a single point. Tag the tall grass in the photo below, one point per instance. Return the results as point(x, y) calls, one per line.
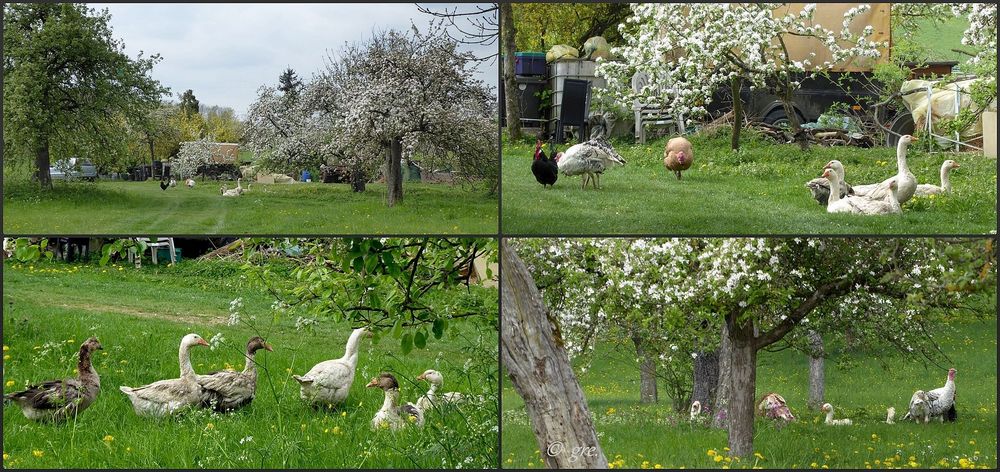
point(140, 316)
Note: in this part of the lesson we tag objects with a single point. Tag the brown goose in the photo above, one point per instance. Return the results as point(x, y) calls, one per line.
point(392, 415)
point(58, 400)
point(228, 390)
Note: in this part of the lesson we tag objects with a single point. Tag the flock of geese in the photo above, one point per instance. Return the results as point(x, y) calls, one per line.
point(876, 199)
point(327, 384)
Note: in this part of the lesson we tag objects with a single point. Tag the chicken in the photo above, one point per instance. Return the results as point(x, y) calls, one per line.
point(678, 156)
point(589, 159)
point(546, 170)
point(164, 185)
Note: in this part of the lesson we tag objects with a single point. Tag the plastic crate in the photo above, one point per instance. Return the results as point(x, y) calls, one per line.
point(529, 63)
point(163, 255)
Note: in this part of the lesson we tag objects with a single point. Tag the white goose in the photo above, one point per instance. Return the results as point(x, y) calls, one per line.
point(931, 189)
point(167, 397)
point(189, 183)
point(880, 202)
point(430, 399)
point(820, 187)
point(329, 382)
point(828, 409)
point(906, 183)
point(234, 192)
point(392, 415)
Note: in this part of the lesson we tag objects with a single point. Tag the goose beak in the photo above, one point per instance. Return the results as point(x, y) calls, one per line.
point(202, 342)
point(914, 139)
point(955, 166)
point(268, 348)
point(421, 377)
point(373, 383)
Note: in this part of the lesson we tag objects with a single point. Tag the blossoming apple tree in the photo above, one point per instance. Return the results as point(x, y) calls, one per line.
point(689, 51)
point(758, 292)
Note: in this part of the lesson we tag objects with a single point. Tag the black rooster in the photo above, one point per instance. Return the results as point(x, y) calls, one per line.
point(546, 170)
point(164, 185)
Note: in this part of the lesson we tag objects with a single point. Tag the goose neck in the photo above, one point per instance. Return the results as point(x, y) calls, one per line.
point(834, 180)
point(901, 157)
point(829, 416)
point(351, 351)
point(946, 179)
point(184, 355)
point(85, 366)
point(251, 367)
point(391, 398)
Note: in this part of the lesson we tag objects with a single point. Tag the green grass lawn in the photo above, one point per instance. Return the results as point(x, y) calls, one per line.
point(140, 316)
point(758, 190)
point(114, 207)
point(861, 385)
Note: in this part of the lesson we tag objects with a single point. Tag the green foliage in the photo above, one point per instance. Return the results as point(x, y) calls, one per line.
point(26, 251)
point(69, 86)
point(407, 288)
point(543, 25)
point(120, 248)
point(189, 103)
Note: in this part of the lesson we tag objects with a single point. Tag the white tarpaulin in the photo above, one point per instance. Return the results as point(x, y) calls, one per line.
point(941, 104)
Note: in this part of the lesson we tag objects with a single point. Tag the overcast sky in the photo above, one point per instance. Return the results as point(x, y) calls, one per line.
point(224, 52)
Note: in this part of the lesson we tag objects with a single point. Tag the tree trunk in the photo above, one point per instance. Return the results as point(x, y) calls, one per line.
point(394, 172)
point(358, 180)
point(744, 382)
point(798, 134)
point(152, 155)
point(735, 85)
point(513, 105)
point(647, 374)
point(722, 392)
point(816, 377)
point(42, 164)
point(706, 380)
point(538, 366)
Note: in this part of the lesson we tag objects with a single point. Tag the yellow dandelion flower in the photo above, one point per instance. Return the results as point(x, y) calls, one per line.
point(37, 453)
point(6, 348)
point(611, 411)
point(718, 458)
point(532, 464)
point(209, 427)
point(343, 414)
point(711, 452)
point(337, 430)
point(10, 383)
point(814, 465)
point(657, 466)
point(758, 455)
point(964, 463)
point(510, 461)
point(109, 438)
point(6, 357)
point(972, 442)
point(5, 455)
point(826, 466)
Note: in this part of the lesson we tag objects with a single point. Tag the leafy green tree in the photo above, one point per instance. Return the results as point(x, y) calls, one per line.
point(189, 103)
point(543, 25)
point(68, 84)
